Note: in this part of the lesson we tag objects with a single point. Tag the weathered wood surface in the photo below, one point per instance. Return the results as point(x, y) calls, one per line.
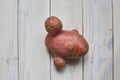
point(98, 32)
point(34, 61)
point(23, 55)
point(116, 25)
point(8, 40)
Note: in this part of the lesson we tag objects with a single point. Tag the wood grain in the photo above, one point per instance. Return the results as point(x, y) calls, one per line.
point(98, 32)
point(23, 54)
point(116, 22)
point(70, 13)
point(34, 61)
point(8, 40)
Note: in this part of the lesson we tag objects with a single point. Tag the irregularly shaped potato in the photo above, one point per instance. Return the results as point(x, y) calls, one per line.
point(64, 44)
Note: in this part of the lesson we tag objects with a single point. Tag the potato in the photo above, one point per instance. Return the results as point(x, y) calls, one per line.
point(53, 25)
point(59, 62)
point(64, 44)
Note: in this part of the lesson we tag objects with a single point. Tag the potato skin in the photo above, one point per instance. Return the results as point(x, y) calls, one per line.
point(59, 62)
point(67, 44)
point(53, 25)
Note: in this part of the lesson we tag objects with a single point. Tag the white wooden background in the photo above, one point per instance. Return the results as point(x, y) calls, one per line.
point(23, 55)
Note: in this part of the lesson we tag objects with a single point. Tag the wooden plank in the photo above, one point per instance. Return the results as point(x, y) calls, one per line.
point(33, 56)
point(98, 32)
point(8, 40)
point(70, 13)
point(116, 18)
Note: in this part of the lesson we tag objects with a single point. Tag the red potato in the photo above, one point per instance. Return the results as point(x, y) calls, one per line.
point(63, 44)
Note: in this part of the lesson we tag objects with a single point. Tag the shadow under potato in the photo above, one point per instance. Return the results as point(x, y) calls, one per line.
point(70, 63)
